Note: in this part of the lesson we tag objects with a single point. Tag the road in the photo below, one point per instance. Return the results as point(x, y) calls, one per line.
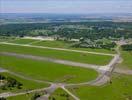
point(2, 70)
point(123, 71)
point(72, 95)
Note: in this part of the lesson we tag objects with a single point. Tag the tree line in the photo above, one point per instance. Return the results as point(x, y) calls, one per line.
point(99, 30)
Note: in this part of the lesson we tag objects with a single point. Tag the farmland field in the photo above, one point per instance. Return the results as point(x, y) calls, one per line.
point(119, 89)
point(47, 71)
point(58, 54)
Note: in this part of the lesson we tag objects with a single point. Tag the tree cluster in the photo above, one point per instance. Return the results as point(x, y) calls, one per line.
point(10, 83)
point(94, 30)
point(87, 43)
point(127, 47)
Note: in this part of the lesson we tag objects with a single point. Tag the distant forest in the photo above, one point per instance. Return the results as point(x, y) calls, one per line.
point(90, 30)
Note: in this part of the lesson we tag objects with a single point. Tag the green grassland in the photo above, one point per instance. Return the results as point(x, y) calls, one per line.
point(47, 71)
point(27, 84)
point(58, 44)
point(23, 41)
point(4, 38)
point(119, 89)
point(21, 97)
point(60, 94)
point(68, 45)
point(127, 60)
point(58, 54)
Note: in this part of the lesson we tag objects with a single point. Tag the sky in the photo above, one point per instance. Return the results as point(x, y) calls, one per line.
point(66, 6)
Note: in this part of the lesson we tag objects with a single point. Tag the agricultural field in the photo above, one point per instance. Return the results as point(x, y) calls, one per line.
point(40, 70)
point(58, 54)
point(119, 89)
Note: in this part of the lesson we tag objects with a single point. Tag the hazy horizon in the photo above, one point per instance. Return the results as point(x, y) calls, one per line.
point(66, 7)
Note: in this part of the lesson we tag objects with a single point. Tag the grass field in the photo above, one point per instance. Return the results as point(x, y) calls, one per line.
point(60, 94)
point(23, 41)
point(4, 39)
point(58, 44)
point(127, 60)
point(48, 71)
point(22, 97)
point(120, 89)
point(58, 54)
point(67, 45)
point(27, 84)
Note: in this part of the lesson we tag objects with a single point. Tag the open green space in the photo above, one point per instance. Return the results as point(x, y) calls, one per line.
point(58, 54)
point(119, 89)
point(60, 94)
point(127, 60)
point(21, 97)
point(5, 39)
point(68, 45)
point(28, 96)
point(47, 71)
point(26, 84)
point(58, 44)
point(23, 41)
